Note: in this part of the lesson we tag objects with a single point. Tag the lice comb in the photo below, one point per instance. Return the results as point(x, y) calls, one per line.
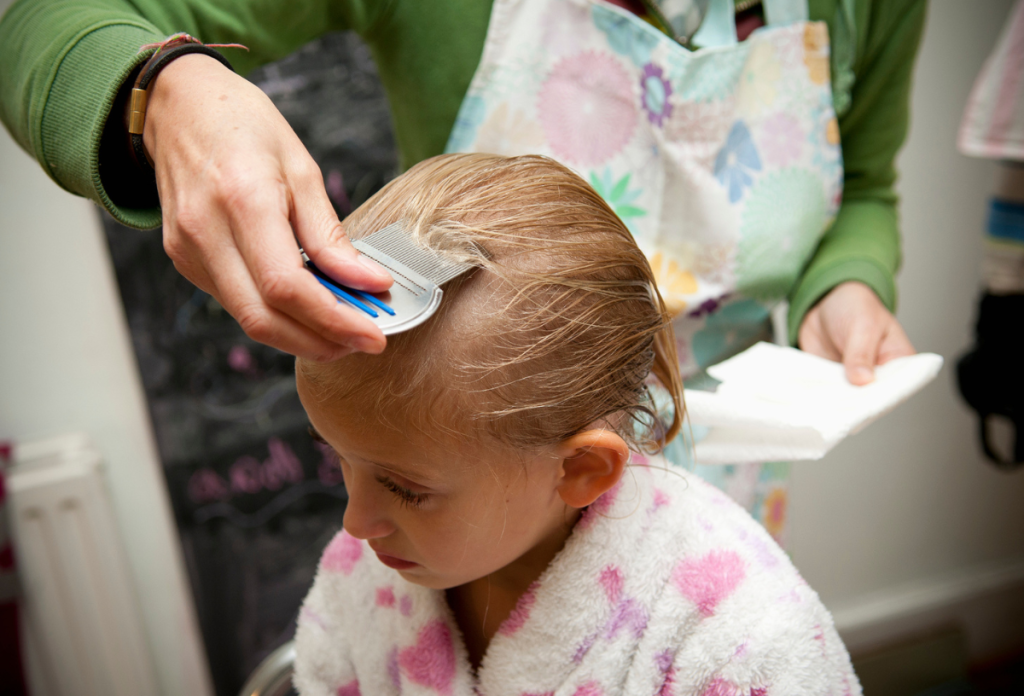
point(419, 274)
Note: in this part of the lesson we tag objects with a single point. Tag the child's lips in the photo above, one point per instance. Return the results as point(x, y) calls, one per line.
point(395, 562)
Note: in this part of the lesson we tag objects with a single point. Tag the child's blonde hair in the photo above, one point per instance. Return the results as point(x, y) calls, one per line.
point(557, 332)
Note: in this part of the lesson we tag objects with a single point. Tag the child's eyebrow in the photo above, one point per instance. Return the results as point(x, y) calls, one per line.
point(415, 476)
point(418, 477)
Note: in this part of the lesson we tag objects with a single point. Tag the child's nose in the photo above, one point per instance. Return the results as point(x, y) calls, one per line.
point(364, 516)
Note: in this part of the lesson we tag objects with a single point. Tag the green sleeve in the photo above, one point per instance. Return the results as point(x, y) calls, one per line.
point(426, 52)
point(65, 60)
point(863, 243)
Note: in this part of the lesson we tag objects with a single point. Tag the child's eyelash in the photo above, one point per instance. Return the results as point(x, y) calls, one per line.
point(316, 436)
point(407, 497)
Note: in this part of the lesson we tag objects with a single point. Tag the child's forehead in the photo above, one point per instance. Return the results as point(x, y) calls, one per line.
point(405, 398)
point(427, 368)
point(427, 457)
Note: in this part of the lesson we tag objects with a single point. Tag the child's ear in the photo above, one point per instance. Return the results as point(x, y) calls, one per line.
point(592, 462)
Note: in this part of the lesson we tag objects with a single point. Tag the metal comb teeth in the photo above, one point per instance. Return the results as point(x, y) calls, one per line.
point(395, 243)
point(418, 274)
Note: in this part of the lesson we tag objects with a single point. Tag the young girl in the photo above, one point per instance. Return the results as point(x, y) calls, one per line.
point(505, 533)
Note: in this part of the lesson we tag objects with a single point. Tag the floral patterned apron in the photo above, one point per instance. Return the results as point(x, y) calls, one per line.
point(723, 161)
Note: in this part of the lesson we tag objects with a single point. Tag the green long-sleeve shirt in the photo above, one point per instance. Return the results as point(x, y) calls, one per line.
point(62, 63)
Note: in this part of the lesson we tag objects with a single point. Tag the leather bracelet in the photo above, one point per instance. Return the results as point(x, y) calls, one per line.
point(135, 114)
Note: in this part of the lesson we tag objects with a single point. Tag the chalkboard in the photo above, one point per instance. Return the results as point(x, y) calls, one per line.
point(255, 499)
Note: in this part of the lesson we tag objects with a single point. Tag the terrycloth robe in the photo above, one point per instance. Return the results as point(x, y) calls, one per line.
point(665, 587)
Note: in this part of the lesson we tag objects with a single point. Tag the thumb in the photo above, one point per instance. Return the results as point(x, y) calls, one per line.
point(860, 353)
point(323, 238)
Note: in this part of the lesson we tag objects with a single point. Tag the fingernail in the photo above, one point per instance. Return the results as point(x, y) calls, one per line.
point(334, 355)
point(863, 375)
point(374, 267)
point(367, 345)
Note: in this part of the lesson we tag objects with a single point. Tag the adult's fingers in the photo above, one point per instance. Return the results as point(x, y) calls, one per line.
point(321, 234)
point(268, 248)
point(812, 337)
point(227, 204)
point(271, 327)
point(861, 351)
point(896, 344)
point(186, 258)
point(237, 293)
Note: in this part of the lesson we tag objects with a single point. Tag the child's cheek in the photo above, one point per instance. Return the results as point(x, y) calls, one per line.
point(465, 540)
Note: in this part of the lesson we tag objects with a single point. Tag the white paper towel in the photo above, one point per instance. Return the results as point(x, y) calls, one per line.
point(782, 404)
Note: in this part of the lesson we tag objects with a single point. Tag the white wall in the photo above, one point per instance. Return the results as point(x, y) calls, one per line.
point(907, 518)
point(66, 365)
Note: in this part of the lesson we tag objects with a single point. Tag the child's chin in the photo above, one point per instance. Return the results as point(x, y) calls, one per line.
point(425, 578)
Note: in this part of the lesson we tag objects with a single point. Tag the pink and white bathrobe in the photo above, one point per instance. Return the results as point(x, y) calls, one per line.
point(665, 587)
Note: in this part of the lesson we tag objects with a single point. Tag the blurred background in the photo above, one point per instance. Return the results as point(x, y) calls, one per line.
point(221, 504)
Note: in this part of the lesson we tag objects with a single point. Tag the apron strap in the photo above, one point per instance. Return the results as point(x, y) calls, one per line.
point(779, 13)
point(719, 25)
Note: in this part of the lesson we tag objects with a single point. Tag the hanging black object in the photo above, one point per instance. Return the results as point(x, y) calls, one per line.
point(991, 376)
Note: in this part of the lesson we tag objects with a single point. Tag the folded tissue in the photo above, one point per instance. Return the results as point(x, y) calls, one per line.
point(782, 404)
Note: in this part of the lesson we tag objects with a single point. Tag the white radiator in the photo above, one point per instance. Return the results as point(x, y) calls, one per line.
point(83, 630)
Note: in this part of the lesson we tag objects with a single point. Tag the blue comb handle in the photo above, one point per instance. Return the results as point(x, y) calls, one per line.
point(349, 295)
point(342, 295)
point(372, 300)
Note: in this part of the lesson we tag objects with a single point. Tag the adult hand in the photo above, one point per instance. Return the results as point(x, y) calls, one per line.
point(237, 189)
point(851, 325)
